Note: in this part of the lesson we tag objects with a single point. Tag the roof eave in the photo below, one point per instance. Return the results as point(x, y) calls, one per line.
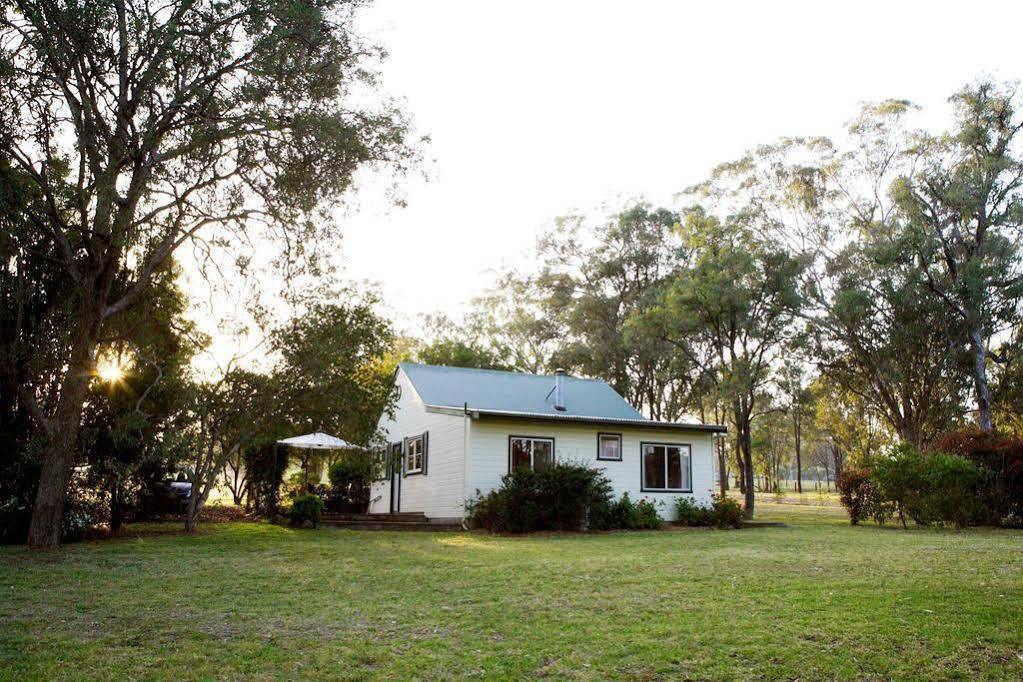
point(585, 419)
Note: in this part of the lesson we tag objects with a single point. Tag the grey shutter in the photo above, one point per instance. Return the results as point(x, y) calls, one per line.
point(404, 457)
point(426, 450)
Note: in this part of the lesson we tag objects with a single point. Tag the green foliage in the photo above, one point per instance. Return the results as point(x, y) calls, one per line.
point(624, 514)
point(451, 352)
point(689, 513)
point(305, 507)
point(265, 466)
point(929, 488)
point(334, 375)
point(727, 512)
point(350, 479)
point(723, 512)
point(558, 497)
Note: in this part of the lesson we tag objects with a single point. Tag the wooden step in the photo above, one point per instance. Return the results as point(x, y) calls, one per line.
point(390, 525)
point(400, 517)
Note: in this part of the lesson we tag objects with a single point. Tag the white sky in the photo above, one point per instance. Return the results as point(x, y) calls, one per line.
point(537, 109)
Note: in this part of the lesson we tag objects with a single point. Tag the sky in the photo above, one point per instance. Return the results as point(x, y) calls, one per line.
point(539, 109)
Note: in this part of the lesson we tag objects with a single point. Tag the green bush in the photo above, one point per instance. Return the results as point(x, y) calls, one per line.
point(722, 513)
point(647, 516)
point(558, 497)
point(727, 512)
point(929, 488)
point(350, 479)
point(306, 507)
point(265, 466)
point(688, 513)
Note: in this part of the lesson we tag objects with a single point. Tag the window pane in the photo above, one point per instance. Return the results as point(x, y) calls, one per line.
point(675, 468)
point(414, 459)
point(543, 454)
point(653, 466)
point(609, 447)
point(519, 453)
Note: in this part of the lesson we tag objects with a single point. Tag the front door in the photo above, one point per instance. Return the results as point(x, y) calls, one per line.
point(394, 463)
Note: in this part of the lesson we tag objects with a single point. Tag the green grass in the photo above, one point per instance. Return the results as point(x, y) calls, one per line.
point(816, 599)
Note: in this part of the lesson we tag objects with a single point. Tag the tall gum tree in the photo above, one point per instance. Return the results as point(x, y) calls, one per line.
point(142, 127)
point(964, 201)
point(730, 310)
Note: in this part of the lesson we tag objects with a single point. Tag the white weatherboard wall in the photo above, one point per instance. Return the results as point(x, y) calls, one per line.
point(439, 493)
point(577, 443)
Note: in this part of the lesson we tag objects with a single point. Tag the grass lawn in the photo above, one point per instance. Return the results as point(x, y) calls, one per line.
point(816, 599)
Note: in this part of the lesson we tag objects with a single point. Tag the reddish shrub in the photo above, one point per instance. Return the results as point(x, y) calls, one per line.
point(856, 493)
point(1002, 457)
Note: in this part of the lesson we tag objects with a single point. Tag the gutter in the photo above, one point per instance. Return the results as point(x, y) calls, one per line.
point(476, 413)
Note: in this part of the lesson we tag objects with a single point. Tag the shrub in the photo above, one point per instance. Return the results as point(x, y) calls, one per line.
point(265, 467)
point(723, 512)
point(306, 507)
point(350, 479)
point(928, 488)
point(857, 494)
point(727, 512)
point(689, 513)
point(647, 516)
point(1001, 459)
point(558, 497)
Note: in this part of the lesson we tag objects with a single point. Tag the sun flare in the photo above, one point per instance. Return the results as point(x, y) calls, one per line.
point(109, 371)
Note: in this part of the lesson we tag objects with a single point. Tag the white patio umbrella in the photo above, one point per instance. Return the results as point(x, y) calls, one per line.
point(318, 441)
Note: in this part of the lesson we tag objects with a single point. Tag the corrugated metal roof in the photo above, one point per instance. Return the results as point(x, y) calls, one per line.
point(493, 390)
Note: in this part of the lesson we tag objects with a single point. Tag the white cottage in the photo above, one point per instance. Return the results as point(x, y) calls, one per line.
point(456, 431)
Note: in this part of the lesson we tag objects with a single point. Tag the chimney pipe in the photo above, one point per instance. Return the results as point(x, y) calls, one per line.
point(559, 390)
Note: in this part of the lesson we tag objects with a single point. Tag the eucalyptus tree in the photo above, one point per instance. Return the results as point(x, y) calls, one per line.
point(885, 338)
point(145, 127)
point(798, 402)
point(873, 323)
point(964, 203)
point(513, 326)
point(332, 371)
point(593, 278)
point(730, 311)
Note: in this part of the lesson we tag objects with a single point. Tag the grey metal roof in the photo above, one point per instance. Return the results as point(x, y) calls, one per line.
point(528, 396)
point(488, 389)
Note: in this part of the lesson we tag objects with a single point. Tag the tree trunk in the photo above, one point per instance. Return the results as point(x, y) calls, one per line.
point(799, 460)
point(746, 446)
point(982, 388)
point(722, 466)
point(58, 455)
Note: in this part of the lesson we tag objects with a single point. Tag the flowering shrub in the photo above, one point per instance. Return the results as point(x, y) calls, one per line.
point(723, 512)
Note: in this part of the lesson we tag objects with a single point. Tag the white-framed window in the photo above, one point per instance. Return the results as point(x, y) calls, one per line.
point(609, 446)
point(530, 451)
point(414, 455)
point(667, 467)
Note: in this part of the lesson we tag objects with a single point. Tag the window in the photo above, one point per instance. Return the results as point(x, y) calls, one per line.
point(529, 452)
point(414, 455)
point(666, 467)
point(609, 446)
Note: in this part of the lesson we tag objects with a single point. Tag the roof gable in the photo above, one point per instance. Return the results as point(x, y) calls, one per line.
point(487, 389)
